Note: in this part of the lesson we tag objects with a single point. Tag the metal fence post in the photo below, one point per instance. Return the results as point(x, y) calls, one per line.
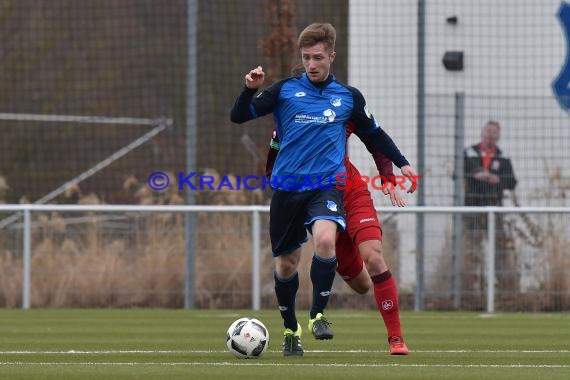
point(191, 145)
point(256, 258)
point(458, 200)
point(27, 256)
point(491, 261)
point(421, 137)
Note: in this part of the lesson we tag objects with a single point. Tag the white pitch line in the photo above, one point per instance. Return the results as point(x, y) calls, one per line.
point(104, 352)
point(495, 351)
point(119, 352)
point(261, 364)
point(446, 351)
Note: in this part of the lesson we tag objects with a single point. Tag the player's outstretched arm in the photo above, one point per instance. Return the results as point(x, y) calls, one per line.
point(384, 143)
point(241, 111)
point(246, 107)
point(385, 169)
point(370, 132)
point(395, 196)
point(411, 174)
point(254, 79)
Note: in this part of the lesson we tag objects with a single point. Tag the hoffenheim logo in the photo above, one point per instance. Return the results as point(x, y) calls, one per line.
point(336, 101)
point(332, 206)
point(561, 85)
point(329, 114)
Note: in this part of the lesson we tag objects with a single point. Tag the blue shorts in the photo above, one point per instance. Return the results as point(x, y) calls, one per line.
point(293, 212)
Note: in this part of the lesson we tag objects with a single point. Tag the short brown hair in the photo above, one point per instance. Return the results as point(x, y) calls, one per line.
point(494, 123)
point(316, 33)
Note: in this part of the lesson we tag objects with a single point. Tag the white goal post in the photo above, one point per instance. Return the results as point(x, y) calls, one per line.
point(159, 124)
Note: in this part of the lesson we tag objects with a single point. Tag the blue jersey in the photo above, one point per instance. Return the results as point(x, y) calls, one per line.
point(311, 120)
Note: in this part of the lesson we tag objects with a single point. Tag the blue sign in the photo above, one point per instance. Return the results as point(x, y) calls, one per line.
point(561, 85)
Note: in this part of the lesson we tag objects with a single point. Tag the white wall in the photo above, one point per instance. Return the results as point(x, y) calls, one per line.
point(513, 50)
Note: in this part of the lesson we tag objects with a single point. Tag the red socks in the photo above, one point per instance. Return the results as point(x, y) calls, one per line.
point(386, 295)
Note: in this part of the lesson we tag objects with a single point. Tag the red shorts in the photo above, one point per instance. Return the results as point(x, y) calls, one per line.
point(362, 225)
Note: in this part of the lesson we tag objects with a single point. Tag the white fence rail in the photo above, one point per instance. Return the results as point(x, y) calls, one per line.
point(29, 209)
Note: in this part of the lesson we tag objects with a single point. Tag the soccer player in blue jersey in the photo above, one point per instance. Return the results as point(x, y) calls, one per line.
point(311, 113)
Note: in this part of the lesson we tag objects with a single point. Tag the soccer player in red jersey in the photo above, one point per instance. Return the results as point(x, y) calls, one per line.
point(361, 243)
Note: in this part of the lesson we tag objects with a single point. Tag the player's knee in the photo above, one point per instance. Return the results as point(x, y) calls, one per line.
point(373, 258)
point(286, 265)
point(375, 265)
point(324, 244)
point(371, 252)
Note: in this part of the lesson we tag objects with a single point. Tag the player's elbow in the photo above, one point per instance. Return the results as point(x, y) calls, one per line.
point(237, 118)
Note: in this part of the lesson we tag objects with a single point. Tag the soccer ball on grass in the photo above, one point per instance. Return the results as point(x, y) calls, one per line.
point(247, 338)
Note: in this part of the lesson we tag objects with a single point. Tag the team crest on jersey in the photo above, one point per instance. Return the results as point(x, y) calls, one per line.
point(332, 206)
point(336, 101)
point(561, 85)
point(329, 114)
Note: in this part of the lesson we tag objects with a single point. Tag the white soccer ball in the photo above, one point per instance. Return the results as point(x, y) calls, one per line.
point(247, 338)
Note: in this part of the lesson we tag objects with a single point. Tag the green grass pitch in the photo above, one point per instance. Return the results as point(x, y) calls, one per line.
point(181, 344)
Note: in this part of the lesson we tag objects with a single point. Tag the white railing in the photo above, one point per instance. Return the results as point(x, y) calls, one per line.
point(491, 212)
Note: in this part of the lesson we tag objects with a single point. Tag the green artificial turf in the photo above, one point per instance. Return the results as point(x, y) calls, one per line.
point(181, 344)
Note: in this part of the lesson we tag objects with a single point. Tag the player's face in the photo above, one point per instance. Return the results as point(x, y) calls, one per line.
point(317, 61)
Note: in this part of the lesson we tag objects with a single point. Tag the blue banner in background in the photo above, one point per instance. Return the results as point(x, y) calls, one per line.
point(561, 84)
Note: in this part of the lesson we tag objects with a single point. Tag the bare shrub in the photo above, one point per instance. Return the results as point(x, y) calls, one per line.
point(88, 263)
point(10, 279)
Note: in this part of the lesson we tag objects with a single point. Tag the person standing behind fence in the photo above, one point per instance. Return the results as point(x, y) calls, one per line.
point(488, 172)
